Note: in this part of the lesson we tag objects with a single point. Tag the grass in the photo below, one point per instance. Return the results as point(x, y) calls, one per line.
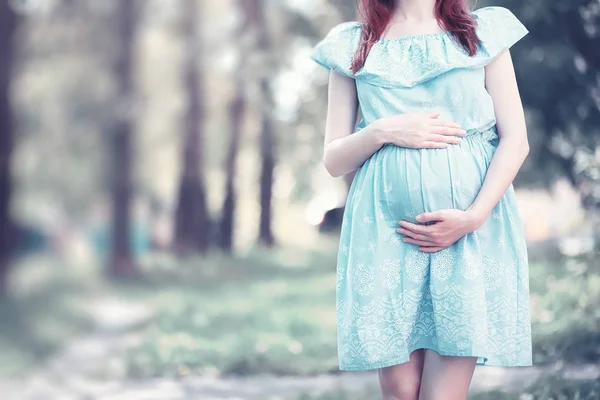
point(242, 316)
point(565, 303)
point(261, 312)
point(41, 317)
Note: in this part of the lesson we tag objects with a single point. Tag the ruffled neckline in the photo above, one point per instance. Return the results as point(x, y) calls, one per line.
point(406, 61)
point(417, 36)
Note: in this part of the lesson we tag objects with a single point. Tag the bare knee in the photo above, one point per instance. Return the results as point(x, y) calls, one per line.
point(395, 387)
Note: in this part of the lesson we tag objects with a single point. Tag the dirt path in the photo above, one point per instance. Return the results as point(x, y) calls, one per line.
point(69, 384)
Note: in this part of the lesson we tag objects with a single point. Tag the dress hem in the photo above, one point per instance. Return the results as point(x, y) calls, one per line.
point(401, 360)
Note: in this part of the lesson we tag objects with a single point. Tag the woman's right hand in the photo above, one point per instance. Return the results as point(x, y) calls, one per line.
point(420, 131)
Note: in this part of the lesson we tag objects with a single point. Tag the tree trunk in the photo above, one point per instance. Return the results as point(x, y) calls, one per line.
point(236, 117)
point(255, 13)
point(121, 263)
point(267, 150)
point(192, 227)
point(8, 23)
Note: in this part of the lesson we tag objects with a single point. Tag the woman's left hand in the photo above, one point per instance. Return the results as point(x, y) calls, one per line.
point(450, 225)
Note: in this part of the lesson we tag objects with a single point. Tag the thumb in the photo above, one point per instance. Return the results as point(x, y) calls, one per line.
point(430, 216)
point(434, 114)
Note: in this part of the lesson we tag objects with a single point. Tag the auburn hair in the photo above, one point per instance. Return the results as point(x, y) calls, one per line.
point(453, 16)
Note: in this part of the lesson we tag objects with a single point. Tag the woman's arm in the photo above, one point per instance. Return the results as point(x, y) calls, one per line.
point(508, 158)
point(345, 151)
point(513, 148)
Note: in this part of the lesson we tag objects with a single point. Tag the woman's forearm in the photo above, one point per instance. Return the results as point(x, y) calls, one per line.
point(346, 154)
point(345, 151)
point(410, 130)
point(506, 162)
point(513, 148)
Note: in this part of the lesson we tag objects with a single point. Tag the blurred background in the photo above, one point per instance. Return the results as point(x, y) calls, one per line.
point(168, 231)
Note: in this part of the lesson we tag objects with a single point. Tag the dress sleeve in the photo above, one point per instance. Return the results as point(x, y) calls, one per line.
point(499, 29)
point(336, 50)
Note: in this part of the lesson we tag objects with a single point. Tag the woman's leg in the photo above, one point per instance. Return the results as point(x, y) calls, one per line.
point(446, 377)
point(401, 382)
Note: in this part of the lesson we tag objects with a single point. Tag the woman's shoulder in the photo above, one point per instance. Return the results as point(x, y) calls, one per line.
point(498, 29)
point(497, 20)
point(336, 49)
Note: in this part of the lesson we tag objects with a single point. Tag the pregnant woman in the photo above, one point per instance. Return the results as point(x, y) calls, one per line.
point(432, 273)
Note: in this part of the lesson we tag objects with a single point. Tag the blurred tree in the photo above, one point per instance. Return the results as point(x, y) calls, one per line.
point(348, 10)
point(256, 16)
point(192, 225)
point(64, 106)
point(8, 23)
point(236, 117)
point(121, 262)
point(237, 109)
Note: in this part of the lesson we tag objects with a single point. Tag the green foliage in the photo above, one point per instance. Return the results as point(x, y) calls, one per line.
point(566, 317)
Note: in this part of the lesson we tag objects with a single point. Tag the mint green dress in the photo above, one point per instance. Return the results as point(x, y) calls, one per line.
point(471, 299)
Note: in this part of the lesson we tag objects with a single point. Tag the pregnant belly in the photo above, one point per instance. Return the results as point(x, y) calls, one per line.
point(403, 183)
